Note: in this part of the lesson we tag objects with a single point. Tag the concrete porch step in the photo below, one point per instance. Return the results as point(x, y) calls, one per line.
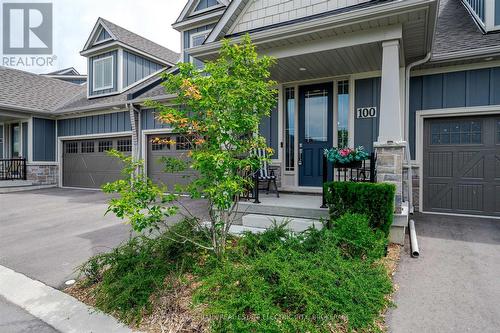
point(287, 205)
point(15, 183)
point(4, 190)
point(267, 221)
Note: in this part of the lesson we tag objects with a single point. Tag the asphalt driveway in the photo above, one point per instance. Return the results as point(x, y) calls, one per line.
point(46, 234)
point(455, 284)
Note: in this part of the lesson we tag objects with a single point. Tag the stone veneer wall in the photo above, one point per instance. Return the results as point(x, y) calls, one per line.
point(42, 174)
point(390, 168)
point(416, 189)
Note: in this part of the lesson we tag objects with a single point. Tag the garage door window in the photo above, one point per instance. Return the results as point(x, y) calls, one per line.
point(184, 143)
point(105, 145)
point(456, 133)
point(124, 145)
point(87, 146)
point(72, 148)
point(159, 144)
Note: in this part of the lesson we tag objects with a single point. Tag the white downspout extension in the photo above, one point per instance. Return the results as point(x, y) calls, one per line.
point(407, 126)
point(135, 137)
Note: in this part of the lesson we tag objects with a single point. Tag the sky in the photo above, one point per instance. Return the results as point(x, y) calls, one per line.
point(74, 20)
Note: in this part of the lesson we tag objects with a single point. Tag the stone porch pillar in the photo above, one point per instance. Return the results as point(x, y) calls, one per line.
point(390, 144)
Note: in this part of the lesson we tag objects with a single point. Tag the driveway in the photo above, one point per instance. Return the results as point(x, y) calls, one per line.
point(46, 234)
point(455, 284)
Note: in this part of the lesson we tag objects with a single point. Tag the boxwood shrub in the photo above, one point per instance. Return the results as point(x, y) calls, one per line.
point(375, 200)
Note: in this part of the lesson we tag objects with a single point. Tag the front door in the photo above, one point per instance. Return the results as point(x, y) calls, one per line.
point(315, 131)
point(16, 141)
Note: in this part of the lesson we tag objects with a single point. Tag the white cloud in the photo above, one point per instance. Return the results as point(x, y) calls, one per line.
point(74, 20)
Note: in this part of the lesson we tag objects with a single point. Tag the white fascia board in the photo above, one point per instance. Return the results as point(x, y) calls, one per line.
point(197, 21)
point(466, 54)
point(383, 10)
point(91, 38)
point(115, 44)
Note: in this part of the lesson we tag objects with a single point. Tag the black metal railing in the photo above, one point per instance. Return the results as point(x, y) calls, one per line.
point(13, 169)
point(252, 192)
point(359, 171)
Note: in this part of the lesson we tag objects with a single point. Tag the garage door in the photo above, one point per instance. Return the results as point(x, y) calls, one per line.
point(155, 166)
point(87, 164)
point(462, 165)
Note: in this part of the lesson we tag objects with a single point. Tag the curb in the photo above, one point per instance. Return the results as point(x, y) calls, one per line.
point(61, 311)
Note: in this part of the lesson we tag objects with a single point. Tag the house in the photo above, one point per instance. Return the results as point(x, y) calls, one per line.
point(68, 74)
point(416, 81)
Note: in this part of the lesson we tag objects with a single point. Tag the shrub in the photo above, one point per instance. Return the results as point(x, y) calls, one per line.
point(295, 284)
point(375, 200)
point(356, 239)
point(128, 276)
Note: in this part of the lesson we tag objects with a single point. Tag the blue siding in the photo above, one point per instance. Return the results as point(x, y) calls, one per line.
point(1, 141)
point(149, 121)
point(367, 93)
point(97, 124)
point(114, 54)
point(136, 68)
point(103, 35)
point(497, 12)
point(44, 140)
point(268, 128)
point(478, 87)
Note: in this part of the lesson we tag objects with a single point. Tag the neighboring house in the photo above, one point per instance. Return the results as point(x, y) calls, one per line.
point(68, 75)
point(387, 75)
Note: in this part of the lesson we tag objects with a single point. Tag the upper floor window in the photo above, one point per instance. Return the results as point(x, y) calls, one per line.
point(205, 4)
point(197, 39)
point(485, 12)
point(102, 73)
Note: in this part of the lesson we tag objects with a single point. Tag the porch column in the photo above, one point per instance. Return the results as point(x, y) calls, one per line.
point(390, 146)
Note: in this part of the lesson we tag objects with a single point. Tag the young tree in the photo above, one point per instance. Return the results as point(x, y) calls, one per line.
point(217, 112)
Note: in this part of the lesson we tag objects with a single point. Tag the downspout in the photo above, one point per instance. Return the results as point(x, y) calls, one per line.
point(407, 126)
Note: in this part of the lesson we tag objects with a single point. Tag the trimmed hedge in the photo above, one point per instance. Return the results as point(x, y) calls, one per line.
point(375, 200)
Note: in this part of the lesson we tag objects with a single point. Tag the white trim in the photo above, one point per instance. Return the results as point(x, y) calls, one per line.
point(91, 113)
point(281, 144)
point(2, 134)
point(94, 61)
point(30, 139)
point(119, 76)
point(422, 115)
point(95, 51)
point(96, 42)
point(195, 22)
point(204, 10)
point(92, 36)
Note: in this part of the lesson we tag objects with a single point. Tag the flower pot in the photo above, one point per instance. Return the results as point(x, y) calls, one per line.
point(350, 165)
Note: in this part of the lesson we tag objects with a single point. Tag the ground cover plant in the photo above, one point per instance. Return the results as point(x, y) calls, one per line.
point(277, 281)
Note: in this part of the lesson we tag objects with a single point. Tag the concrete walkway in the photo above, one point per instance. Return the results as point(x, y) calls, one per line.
point(455, 284)
point(14, 319)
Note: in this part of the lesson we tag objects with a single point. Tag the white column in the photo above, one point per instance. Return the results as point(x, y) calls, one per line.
point(390, 129)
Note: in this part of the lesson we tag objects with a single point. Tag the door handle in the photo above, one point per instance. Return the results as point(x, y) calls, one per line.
point(300, 156)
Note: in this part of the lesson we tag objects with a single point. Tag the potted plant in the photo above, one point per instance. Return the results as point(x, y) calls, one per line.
point(346, 157)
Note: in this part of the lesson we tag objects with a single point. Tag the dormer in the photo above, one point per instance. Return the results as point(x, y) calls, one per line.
point(485, 12)
point(196, 21)
point(119, 59)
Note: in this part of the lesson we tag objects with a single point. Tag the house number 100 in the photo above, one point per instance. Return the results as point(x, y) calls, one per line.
point(370, 112)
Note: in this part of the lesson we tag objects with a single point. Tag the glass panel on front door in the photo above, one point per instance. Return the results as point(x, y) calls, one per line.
point(316, 115)
point(342, 114)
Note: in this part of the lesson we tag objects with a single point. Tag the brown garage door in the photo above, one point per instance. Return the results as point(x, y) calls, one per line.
point(462, 165)
point(87, 164)
point(155, 166)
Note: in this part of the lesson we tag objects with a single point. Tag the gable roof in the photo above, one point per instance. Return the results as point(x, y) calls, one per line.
point(64, 71)
point(24, 91)
point(458, 35)
point(133, 41)
point(188, 9)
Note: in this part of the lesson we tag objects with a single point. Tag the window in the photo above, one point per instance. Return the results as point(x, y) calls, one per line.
point(197, 39)
point(184, 143)
point(88, 146)
point(342, 114)
point(205, 4)
point(158, 144)
point(103, 73)
point(124, 145)
point(316, 115)
point(498, 131)
point(290, 128)
point(105, 145)
point(456, 133)
point(71, 147)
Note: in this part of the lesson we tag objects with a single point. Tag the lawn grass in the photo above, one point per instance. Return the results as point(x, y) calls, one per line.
point(318, 281)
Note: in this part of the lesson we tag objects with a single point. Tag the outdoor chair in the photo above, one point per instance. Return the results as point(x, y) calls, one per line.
point(265, 174)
